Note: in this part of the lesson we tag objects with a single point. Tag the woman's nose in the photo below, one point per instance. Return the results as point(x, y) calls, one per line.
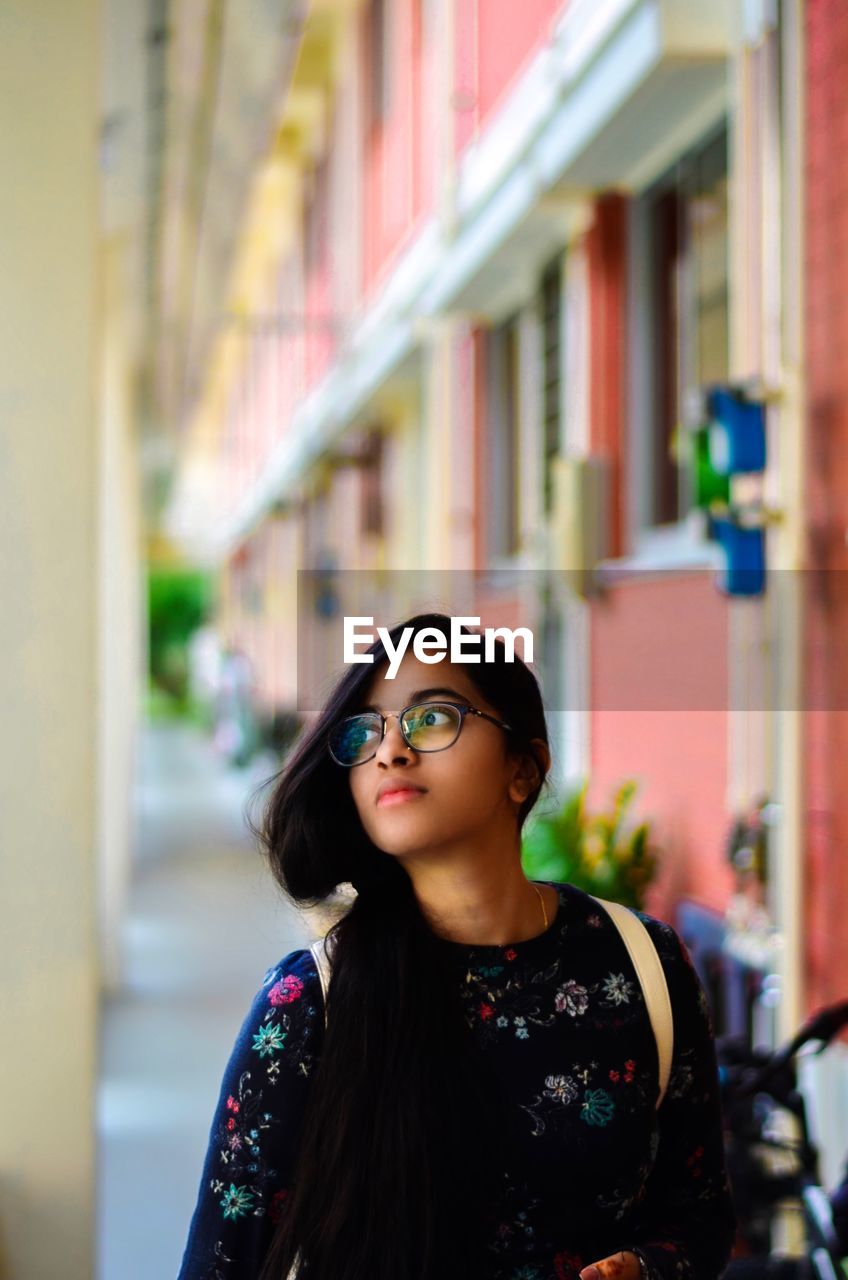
point(393, 743)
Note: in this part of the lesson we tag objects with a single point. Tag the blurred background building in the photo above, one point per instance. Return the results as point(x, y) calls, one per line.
point(417, 285)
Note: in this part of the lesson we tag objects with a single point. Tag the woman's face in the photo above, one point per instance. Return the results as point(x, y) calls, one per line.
point(467, 790)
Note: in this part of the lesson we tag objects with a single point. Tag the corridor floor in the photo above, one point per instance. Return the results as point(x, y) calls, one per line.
point(205, 922)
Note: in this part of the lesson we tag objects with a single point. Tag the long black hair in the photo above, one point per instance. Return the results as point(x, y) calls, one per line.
point(399, 1143)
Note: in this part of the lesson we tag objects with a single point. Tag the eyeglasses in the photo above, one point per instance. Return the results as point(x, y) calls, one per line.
point(426, 726)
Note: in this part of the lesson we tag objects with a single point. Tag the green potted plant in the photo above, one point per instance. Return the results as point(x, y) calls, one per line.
point(598, 852)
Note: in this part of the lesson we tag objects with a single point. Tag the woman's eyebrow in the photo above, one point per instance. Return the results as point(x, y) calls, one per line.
point(422, 693)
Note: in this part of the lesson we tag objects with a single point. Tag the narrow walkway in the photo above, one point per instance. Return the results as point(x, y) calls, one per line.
point(205, 923)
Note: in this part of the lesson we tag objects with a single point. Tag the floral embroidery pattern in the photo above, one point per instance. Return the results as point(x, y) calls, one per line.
point(286, 990)
point(240, 1169)
point(285, 1008)
point(617, 989)
point(561, 1088)
point(237, 1201)
point(514, 1232)
point(515, 1002)
point(572, 998)
point(617, 1202)
point(269, 1040)
point(590, 1165)
point(215, 1271)
point(239, 1131)
point(278, 1204)
point(559, 1091)
point(598, 1107)
point(682, 1076)
point(567, 1265)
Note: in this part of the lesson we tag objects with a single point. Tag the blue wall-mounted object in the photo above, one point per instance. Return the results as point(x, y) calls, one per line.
point(737, 431)
point(744, 572)
point(324, 582)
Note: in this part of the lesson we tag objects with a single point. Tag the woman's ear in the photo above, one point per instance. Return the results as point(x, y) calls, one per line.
point(543, 756)
point(530, 770)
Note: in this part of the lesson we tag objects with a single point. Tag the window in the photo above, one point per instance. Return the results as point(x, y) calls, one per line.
point(502, 424)
point(551, 308)
point(378, 60)
point(371, 510)
point(681, 250)
point(316, 212)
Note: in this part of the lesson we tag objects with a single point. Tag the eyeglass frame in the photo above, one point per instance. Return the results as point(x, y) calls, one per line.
point(464, 708)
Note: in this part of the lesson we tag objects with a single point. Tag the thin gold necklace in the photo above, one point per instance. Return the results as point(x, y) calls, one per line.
point(542, 900)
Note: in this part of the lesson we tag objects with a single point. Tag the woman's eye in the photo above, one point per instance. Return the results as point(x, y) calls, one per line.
point(362, 730)
point(427, 716)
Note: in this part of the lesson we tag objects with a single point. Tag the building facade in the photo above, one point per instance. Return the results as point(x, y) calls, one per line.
point(490, 259)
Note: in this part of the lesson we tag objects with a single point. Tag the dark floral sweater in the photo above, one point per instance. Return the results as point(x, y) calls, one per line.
point(593, 1166)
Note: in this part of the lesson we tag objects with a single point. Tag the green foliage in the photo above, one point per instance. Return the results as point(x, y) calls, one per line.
point(178, 601)
point(596, 852)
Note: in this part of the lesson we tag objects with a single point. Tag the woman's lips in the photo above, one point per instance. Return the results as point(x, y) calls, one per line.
point(398, 797)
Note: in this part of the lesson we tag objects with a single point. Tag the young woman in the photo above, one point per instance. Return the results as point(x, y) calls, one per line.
point(482, 1103)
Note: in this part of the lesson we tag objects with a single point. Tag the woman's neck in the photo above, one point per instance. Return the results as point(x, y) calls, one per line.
point(488, 914)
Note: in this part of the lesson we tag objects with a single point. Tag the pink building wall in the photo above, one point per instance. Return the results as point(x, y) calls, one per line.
point(318, 339)
point(495, 40)
point(658, 646)
point(825, 785)
point(679, 753)
point(397, 163)
point(658, 694)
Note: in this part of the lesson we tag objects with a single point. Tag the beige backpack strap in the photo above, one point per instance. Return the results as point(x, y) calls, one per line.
point(322, 961)
point(651, 976)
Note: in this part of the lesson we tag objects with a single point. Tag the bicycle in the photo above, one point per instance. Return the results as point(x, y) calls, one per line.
point(772, 1163)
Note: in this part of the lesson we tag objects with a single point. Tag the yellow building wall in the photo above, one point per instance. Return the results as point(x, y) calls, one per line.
point(49, 974)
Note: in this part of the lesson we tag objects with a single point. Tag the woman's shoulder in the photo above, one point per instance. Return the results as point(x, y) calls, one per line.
point(665, 937)
point(284, 1022)
point(293, 969)
point(686, 989)
point(670, 946)
point(687, 993)
point(291, 988)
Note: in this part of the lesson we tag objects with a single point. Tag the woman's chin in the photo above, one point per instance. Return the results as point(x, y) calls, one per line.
point(397, 842)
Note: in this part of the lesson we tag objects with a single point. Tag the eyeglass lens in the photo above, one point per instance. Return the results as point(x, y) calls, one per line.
point(428, 727)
